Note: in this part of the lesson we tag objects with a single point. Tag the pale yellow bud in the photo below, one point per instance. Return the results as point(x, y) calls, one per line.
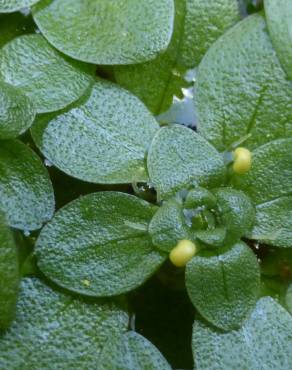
point(242, 160)
point(183, 253)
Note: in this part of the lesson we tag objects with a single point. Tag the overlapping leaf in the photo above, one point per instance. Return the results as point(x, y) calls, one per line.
point(26, 193)
point(98, 245)
point(264, 342)
point(49, 79)
point(102, 140)
point(224, 287)
point(8, 6)
point(107, 32)
point(198, 23)
point(55, 331)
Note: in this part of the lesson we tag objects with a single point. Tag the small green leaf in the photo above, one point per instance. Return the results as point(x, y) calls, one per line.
point(273, 224)
point(55, 331)
point(224, 287)
point(131, 351)
point(235, 211)
point(99, 245)
point(264, 342)
point(242, 100)
point(9, 275)
point(16, 112)
point(103, 140)
point(49, 79)
point(179, 159)
point(8, 6)
point(214, 237)
point(107, 32)
point(270, 176)
point(279, 15)
point(26, 193)
point(198, 23)
point(168, 226)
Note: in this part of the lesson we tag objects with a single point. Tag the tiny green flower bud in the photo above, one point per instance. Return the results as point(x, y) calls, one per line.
point(242, 160)
point(183, 253)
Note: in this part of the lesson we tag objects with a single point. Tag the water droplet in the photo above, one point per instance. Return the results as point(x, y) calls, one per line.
point(48, 163)
point(26, 233)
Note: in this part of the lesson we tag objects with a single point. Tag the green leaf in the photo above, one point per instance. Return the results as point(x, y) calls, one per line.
point(16, 112)
point(279, 15)
point(237, 98)
point(49, 79)
point(264, 342)
point(55, 331)
point(273, 224)
point(288, 298)
point(214, 237)
point(132, 352)
point(270, 176)
point(235, 211)
point(99, 245)
point(168, 226)
point(9, 275)
point(103, 140)
point(8, 6)
point(107, 32)
point(179, 159)
point(224, 287)
point(198, 23)
point(26, 193)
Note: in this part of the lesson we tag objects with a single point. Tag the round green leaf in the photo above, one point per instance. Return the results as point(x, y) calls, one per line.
point(49, 79)
point(242, 91)
point(168, 226)
point(103, 140)
point(235, 212)
point(8, 6)
point(26, 193)
point(131, 351)
point(270, 176)
point(107, 32)
point(264, 342)
point(224, 287)
point(9, 275)
point(55, 331)
point(279, 15)
point(99, 245)
point(179, 159)
point(214, 237)
point(198, 23)
point(16, 112)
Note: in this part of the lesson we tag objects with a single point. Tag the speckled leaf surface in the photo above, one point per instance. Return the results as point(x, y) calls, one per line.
point(278, 15)
point(197, 24)
point(99, 245)
point(51, 80)
point(179, 158)
point(131, 351)
point(9, 275)
point(56, 331)
point(270, 176)
point(168, 226)
point(273, 224)
point(103, 140)
point(107, 32)
point(224, 287)
point(235, 211)
point(17, 112)
point(238, 97)
point(26, 193)
point(8, 6)
point(264, 342)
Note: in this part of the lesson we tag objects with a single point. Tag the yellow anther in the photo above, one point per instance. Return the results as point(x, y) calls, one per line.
point(86, 282)
point(242, 160)
point(183, 253)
